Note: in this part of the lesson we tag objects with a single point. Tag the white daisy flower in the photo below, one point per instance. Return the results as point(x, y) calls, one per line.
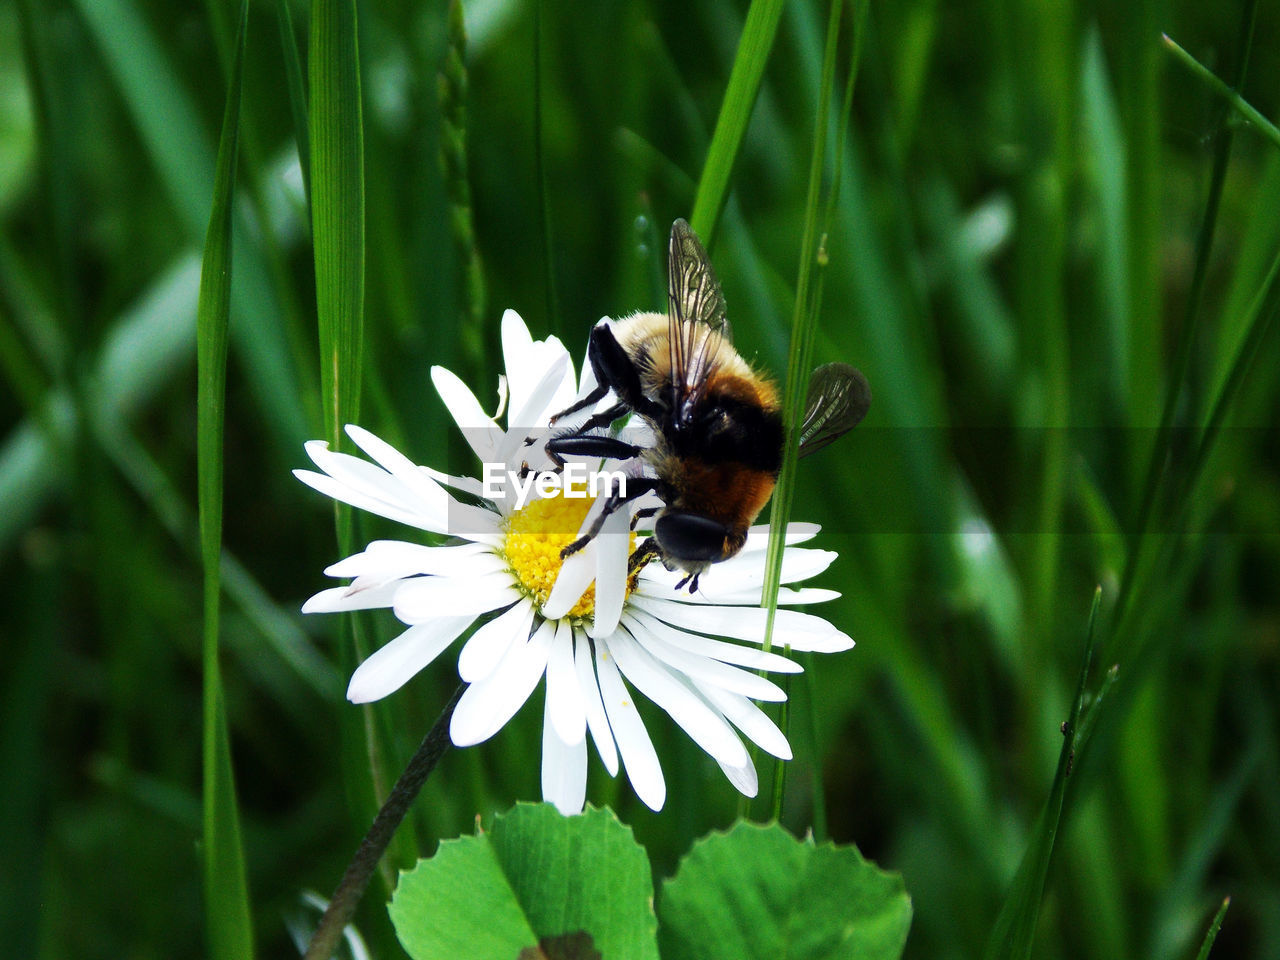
point(583, 623)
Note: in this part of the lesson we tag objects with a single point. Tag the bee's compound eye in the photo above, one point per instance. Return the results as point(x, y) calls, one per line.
point(690, 537)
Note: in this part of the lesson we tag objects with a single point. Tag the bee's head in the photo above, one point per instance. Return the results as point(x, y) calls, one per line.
point(693, 541)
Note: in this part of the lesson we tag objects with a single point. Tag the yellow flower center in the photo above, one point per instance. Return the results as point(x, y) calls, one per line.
point(537, 533)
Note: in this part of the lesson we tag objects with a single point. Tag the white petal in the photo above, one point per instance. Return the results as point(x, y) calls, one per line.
point(480, 432)
point(743, 777)
point(748, 718)
point(475, 524)
point(743, 574)
point(531, 411)
point(529, 424)
point(486, 706)
point(564, 768)
point(612, 551)
point(364, 500)
point(571, 583)
point(800, 631)
point(638, 755)
point(597, 722)
point(721, 650)
point(758, 536)
point(367, 486)
point(362, 476)
point(339, 599)
point(704, 668)
point(706, 727)
point(565, 706)
point(389, 559)
point(422, 598)
point(392, 665)
point(469, 485)
point(517, 358)
point(431, 495)
point(485, 648)
point(526, 361)
point(787, 597)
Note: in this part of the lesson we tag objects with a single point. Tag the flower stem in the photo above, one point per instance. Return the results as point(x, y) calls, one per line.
point(346, 898)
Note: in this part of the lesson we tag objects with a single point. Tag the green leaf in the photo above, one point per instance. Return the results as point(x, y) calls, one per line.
point(739, 99)
point(536, 877)
point(459, 903)
point(757, 892)
point(227, 916)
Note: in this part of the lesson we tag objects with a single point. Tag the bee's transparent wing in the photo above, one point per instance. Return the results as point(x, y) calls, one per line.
point(692, 288)
point(696, 315)
point(839, 396)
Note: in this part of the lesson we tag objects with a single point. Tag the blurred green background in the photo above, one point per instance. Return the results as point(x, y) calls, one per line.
point(1011, 263)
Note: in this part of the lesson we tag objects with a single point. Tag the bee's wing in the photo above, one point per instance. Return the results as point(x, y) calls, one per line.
point(838, 399)
point(696, 315)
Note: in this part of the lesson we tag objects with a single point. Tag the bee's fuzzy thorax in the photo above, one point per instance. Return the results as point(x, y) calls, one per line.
point(645, 337)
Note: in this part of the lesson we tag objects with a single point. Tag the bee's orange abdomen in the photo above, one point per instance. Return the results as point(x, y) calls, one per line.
point(728, 492)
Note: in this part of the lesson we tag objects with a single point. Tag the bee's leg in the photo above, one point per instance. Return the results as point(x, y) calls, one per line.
point(643, 515)
point(613, 369)
point(611, 365)
point(644, 553)
point(590, 400)
point(636, 487)
point(603, 418)
point(611, 448)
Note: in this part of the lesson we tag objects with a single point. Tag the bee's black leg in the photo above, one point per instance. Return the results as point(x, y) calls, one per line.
point(590, 400)
point(644, 553)
point(613, 369)
point(610, 448)
point(603, 418)
point(636, 487)
point(613, 366)
point(643, 515)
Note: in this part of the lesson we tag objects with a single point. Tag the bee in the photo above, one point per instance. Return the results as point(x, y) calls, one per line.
point(716, 422)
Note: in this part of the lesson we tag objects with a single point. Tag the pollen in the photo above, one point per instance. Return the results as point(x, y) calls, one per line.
point(536, 534)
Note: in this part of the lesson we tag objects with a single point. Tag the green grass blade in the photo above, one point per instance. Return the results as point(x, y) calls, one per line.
point(1237, 102)
point(1108, 161)
point(735, 111)
point(337, 197)
point(803, 326)
point(227, 918)
point(1015, 927)
point(54, 136)
point(1190, 324)
point(178, 147)
point(165, 118)
point(297, 93)
point(540, 175)
point(1211, 934)
point(1263, 311)
point(813, 257)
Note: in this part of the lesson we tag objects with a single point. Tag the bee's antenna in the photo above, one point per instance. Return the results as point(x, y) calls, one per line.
point(692, 580)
